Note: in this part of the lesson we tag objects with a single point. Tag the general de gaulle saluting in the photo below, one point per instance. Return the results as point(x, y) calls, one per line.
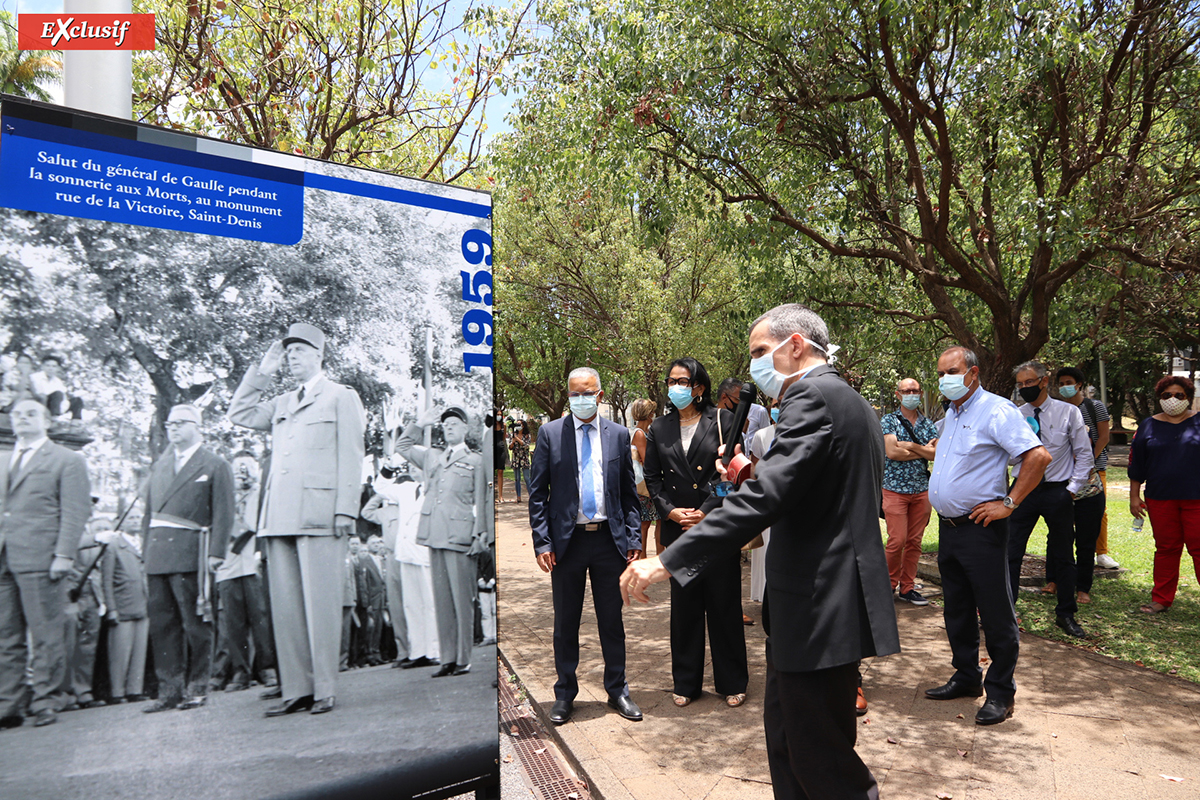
point(310, 504)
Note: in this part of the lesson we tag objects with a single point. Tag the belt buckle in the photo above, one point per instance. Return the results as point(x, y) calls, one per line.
point(591, 526)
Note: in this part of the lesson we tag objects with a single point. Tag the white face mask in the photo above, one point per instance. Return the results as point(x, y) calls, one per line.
point(771, 380)
point(1174, 406)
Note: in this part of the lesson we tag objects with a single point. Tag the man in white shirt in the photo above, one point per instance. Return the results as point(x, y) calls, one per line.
point(1060, 428)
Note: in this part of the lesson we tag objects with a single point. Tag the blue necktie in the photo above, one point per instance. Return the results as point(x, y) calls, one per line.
point(1037, 416)
point(587, 489)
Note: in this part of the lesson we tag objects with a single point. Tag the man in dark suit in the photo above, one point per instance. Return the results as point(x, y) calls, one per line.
point(371, 595)
point(585, 516)
point(46, 503)
point(189, 514)
point(829, 600)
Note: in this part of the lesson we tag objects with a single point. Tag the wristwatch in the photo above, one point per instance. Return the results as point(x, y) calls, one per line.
point(1009, 502)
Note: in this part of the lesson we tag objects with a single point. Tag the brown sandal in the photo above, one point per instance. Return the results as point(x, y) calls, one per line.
point(680, 701)
point(735, 700)
point(1049, 588)
point(1153, 608)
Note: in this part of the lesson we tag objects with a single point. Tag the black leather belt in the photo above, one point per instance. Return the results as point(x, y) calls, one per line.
point(593, 526)
point(958, 522)
point(1054, 484)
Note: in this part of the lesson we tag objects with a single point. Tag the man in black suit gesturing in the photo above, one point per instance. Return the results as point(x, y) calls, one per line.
point(584, 512)
point(828, 598)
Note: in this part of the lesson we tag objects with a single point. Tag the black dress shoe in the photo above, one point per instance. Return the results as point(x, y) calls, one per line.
point(954, 689)
point(11, 721)
point(461, 670)
point(291, 706)
point(274, 693)
point(993, 711)
point(46, 716)
point(561, 712)
point(423, 661)
point(322, 706)
point(1070, 626)
point(447, 669)
point(193, 702)
point(402, 663)
point(626, 708)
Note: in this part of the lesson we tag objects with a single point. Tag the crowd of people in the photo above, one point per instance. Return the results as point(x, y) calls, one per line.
point(235, 570)
point(989, 468)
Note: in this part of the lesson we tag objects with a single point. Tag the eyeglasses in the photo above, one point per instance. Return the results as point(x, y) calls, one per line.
point(1029, 384)
point(177, 423)
point(685, 382)
point(909, 391)
point(1172, 396)
point(582, 394)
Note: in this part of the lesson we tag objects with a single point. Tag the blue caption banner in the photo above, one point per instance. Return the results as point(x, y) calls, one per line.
point(54, 176)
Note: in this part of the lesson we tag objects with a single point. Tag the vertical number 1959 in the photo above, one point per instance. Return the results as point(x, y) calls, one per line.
point(477, 288)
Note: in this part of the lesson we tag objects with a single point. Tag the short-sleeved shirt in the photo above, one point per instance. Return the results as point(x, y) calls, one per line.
point(907, 477)
point(1094, 413)
point(978, 439)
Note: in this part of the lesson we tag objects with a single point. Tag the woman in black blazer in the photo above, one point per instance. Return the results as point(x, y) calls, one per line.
point(681, 455)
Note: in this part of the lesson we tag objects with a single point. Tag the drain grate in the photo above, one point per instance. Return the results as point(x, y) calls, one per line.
point(538, 759)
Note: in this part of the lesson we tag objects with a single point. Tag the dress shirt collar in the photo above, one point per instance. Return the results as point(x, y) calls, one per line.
point(966, 404)
point(312, 382)
point(32, 447)
point(594, 422)
point(182, 458)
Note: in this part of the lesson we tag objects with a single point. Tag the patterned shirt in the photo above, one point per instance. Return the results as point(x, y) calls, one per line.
point(1094, 413)
point(907, 477)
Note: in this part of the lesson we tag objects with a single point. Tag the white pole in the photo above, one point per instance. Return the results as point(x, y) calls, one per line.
point(97, 81)
point(1104, 388)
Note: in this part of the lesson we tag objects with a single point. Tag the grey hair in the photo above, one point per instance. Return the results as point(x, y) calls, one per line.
point(791, 318)
point(1038, 368)
point(967, 353)
point(580, 372)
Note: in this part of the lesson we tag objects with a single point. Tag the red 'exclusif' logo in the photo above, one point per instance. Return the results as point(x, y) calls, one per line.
point(85, 32)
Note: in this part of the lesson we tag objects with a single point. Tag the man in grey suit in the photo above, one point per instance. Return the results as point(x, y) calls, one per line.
point(311, 502)
point(829, 599)
point(46, 503)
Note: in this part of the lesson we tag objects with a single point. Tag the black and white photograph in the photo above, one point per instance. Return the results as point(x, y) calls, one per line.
point(246, 519)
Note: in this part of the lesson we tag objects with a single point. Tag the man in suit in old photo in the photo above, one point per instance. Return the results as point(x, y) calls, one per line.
point(46, 504)
point(189, 513)
point(585, 516)
point(311, 501)
point(829, 599)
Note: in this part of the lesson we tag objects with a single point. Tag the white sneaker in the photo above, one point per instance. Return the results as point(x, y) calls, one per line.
point(1107, 562)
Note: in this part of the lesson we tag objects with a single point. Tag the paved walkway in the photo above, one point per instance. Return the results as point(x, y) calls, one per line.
point(1085, 726)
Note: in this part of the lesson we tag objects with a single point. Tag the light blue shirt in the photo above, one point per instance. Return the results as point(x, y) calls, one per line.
point(1066, 437)
point(977, 440)
point(597, 468)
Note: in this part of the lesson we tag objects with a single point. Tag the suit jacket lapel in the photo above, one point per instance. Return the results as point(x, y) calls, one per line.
point(36, 461)
point(309, 397)
point(702, 429)
point(570, 456)
point(190, 470)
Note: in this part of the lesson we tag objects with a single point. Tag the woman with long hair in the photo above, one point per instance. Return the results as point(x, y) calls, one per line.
point(643, 412)
point(681, 473)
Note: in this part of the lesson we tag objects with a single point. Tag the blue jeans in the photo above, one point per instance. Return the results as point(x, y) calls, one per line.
point(517, 471)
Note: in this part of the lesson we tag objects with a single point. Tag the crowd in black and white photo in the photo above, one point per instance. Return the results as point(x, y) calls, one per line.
point(272, 562)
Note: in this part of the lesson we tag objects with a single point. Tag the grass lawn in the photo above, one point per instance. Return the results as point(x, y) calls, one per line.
point(1168, 643)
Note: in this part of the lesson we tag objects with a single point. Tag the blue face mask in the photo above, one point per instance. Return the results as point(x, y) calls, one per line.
point(1068, 391)
point(774, 415)
point(953, 387)
point(584, 407)
point(764, 374)
point(680, 396)
point(910, 401)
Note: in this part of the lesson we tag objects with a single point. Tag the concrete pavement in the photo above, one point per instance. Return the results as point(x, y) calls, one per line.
point(1085, 726)
point(400, 723)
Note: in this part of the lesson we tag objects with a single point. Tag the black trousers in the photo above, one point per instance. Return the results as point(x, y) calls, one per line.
point(716, 595)
point(1089, 512)
point(590, 553)
point(243, 610)
point(182, 642)
point(1053, 503)
point(973, 561)
point(811, 730)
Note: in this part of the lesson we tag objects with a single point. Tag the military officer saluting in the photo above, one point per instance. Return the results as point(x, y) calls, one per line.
point(453, 526)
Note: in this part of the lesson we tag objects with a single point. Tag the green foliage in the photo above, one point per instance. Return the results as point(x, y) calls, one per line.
point(399, 85)
point(955, 166)
point(25, 73)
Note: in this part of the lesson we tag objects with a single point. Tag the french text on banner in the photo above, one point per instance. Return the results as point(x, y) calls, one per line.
point(85, 31)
